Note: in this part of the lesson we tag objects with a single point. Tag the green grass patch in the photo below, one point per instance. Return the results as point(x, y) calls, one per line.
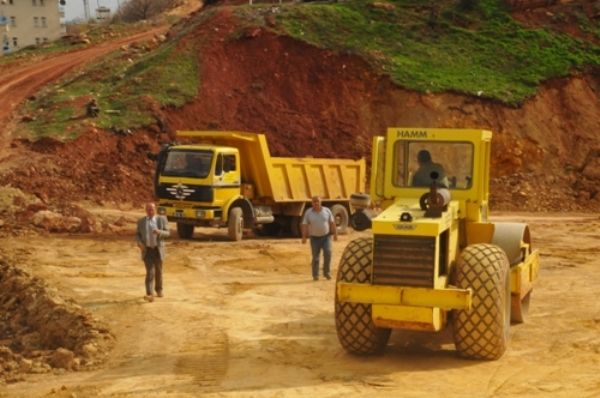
point(470, 46)
point(125, 85)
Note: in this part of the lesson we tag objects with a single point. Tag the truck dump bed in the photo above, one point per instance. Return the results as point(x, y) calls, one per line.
point(287, 179)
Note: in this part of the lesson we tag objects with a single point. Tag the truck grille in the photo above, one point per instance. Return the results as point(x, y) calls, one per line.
point(194, 193)
point(403, 260)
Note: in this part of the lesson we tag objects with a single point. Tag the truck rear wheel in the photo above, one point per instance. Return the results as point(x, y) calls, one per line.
point(482, 333)
point(355, 328)
point(235, 225)
point(340, 215)
point(185, 231)
point(296, 226)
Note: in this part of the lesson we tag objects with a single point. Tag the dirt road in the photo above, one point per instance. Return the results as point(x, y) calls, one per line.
point(20, 82)
point(245, 319)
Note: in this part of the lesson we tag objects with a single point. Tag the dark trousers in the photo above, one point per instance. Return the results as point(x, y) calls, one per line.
point(153, 265)
point(318, 244)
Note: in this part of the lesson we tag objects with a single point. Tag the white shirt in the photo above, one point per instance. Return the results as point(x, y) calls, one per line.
point(318, 221)
point(151, 225)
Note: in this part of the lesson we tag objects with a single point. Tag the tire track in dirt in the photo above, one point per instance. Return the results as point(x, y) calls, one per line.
point(205, 358)
point(204, 355)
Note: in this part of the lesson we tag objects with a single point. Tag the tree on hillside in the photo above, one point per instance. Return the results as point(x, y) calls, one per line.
point(137, 10)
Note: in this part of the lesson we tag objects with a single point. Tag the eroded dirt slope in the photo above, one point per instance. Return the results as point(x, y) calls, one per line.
point(316, 102)
point(311, 101)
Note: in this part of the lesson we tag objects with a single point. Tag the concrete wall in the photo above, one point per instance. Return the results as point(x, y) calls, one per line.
point(28, 22)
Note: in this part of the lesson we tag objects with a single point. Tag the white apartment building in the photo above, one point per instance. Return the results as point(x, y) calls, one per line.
point(29, 22)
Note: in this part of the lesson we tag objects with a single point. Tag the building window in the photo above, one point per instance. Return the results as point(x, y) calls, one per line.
point(10, 2)
point(37, 41)
point(42, 3)
point(34, 2)
point(45, 40)
point(36, 22)
point(44, 23)
point(15, 42)
point(13, 21)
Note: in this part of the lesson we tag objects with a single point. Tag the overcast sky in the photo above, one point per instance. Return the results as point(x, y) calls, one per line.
point(74, 8)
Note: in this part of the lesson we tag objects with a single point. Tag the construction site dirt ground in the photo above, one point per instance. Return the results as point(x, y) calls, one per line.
point(245, 319)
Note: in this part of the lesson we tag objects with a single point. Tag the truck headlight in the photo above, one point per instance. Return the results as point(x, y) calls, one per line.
point(200, 213)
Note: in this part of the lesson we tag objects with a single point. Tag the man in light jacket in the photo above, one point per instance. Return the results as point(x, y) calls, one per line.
point(152, 230)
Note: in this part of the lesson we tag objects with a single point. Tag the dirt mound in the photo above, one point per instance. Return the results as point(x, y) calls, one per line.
point(99, 166)
point(25, 214)
point(40, 332)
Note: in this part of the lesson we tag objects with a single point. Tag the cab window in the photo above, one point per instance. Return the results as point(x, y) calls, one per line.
point(451, 163)
point(187, 163)
point(229, 163)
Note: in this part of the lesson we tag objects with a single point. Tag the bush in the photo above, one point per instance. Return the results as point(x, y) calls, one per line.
point(137, 10)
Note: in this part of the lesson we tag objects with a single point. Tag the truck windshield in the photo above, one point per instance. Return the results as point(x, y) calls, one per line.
point(187, 163)
point(418, 163)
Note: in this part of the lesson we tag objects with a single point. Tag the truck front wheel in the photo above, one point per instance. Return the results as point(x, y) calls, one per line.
point(482, 333)
point(355, 328)
point(235, 225)
point(185, 231)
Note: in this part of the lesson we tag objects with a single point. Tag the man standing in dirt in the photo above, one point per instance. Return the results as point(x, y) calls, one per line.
point(319, 224)
point(151, 232)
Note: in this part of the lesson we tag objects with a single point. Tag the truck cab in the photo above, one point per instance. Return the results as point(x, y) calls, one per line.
point(195, 183)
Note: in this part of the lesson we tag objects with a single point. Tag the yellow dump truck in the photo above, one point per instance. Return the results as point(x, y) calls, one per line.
point(229, 179)
point(434, 260)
